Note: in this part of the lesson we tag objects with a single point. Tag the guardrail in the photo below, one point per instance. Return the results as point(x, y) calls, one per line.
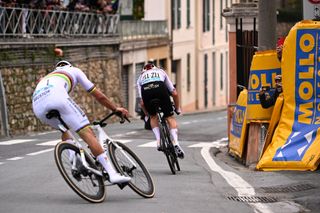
point(24, 22)
point(33, 23)
point(143, 29)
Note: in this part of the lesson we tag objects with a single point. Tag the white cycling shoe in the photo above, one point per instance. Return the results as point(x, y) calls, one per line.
point(179, 151)
point(118, 178)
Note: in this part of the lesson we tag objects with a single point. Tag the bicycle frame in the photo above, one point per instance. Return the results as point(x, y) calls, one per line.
point(83, 159)
point(104, 141)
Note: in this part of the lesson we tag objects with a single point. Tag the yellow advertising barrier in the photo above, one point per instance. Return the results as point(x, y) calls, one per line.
point(295, 144)
point(275, 117)
point(238, 126)
point(264, 67)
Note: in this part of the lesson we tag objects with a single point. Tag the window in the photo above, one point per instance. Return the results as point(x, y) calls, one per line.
point(221, 19)
point(188, 14)
point(213, 78)
point(206, 15)
point(213, 20)
point(188, 73)
point(163, 64)
point(221, 71)
point(225, 20)
point(176, 14)
point(206, 80)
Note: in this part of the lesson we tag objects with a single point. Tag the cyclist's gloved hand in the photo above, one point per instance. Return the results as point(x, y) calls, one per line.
point(123, 111)
point(178, 111)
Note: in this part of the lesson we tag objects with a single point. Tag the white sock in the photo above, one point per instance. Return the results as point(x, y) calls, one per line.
point(174, 135)
point(156, 132)
point(71, 152)
point(102, 158)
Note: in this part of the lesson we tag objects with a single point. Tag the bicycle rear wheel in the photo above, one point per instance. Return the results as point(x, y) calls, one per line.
point(169, 149)
point(86, 184)
point(141, 180)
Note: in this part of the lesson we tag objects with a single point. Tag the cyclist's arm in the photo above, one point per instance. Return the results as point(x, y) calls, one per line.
point(173, 92)
point(105, 101)
point(176, 100)
point(143, 107)
point(140, 96)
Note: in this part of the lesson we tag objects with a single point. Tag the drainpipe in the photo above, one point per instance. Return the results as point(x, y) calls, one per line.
point(171, 35)
point(4, 112)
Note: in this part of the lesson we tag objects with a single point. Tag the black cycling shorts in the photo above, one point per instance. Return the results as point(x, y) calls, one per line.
point(157, 90)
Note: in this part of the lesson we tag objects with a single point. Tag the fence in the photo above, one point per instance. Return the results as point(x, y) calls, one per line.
point(24, 22)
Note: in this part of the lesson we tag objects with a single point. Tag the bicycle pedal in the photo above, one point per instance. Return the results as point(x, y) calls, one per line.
point(122, 185)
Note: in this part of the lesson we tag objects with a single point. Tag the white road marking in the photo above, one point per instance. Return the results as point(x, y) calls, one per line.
point(122, 134)
point(124, 141)
point(40, 152)
point(218, 143)
point(1, 163)
point(222, 118)
point(49, 143)
point(186, 122)
point(202, 120)
point(240, 185)
point(15, 158)
point(149, 144)
point(17, 141)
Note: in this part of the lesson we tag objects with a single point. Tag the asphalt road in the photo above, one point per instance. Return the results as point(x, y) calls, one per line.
point(210, 180)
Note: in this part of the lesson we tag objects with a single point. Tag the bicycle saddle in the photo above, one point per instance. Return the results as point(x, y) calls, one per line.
point(155, 103)
point(53, 114)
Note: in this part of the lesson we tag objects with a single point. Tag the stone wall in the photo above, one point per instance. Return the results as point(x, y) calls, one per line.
point(101, 64)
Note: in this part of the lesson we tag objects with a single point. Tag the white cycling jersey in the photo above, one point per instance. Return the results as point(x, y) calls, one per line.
point(153, 75)
point(52, 93)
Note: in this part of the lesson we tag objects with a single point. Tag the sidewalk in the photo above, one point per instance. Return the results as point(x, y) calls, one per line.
point(290, 187)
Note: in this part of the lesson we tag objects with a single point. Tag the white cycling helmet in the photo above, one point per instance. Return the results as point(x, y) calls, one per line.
point(63, 63)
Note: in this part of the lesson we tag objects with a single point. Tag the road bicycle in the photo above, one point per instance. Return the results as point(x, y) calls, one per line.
point(86, 176)
point(166, 145)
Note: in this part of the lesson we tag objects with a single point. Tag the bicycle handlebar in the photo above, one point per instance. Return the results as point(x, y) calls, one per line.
point(117, 113)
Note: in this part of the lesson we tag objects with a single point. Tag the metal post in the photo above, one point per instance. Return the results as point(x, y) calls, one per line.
point(267, 24)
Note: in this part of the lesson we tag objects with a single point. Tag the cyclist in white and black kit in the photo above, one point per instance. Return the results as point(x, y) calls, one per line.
point(52, 93)
point(154, 83)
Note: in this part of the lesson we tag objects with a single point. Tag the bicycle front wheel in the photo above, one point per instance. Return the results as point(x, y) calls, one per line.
point(86, 184)
point(128, 163)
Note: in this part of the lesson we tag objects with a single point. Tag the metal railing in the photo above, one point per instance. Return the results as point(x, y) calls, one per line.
point(143, 29)
point(24, 22)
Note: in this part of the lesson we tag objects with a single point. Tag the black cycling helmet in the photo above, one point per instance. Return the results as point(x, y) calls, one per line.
point(63, 63)
point(148, 66)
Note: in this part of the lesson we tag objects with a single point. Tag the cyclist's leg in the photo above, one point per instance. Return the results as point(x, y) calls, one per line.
point(77, 121)
point(173, 129)
point(147, 96)
point(155, 129)
point(174, 134)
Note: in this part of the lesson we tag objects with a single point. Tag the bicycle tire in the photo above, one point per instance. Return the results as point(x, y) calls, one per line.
point(167, 145)
point(141, 180)
point(172, 150)
point(80, 179)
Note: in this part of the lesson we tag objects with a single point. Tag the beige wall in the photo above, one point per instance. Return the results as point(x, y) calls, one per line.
point(141, 55)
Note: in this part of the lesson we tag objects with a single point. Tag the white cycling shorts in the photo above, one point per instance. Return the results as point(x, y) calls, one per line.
point(50, 97)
